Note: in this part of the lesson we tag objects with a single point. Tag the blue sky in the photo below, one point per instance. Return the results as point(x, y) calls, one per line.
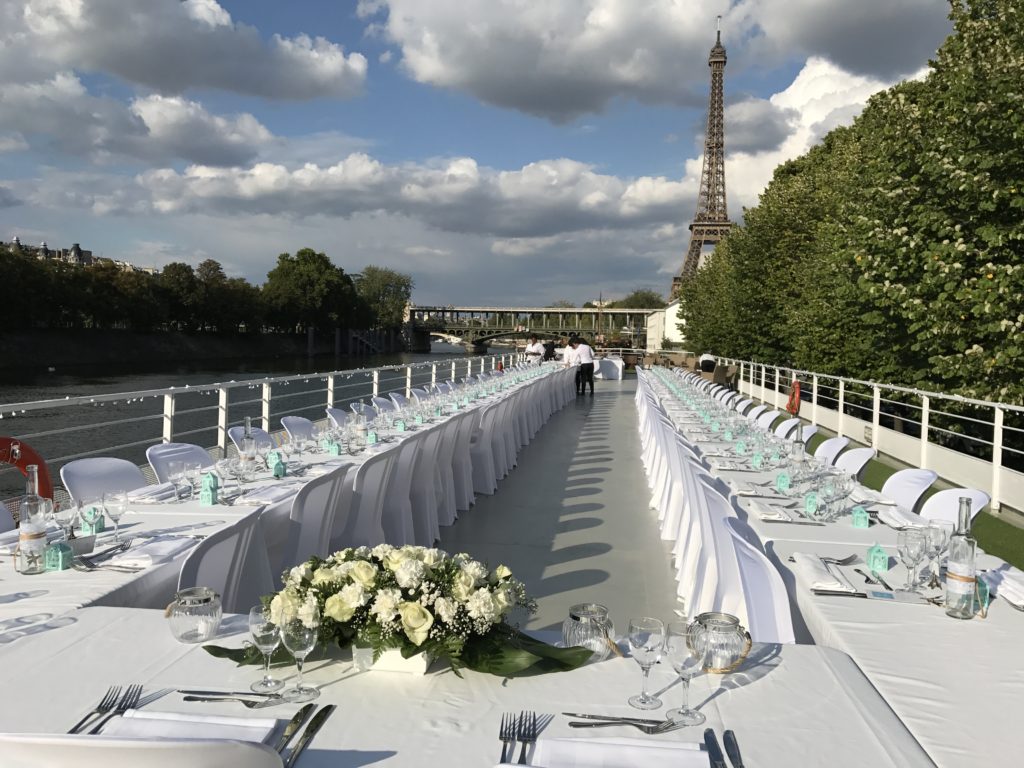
point(498, 151)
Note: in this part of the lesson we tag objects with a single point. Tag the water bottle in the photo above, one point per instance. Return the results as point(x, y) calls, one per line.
point(960, 573)
point(31, 554)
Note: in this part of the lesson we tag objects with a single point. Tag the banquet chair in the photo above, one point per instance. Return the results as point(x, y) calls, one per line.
point(764, 593)
point(756, 411)
point(945, 505)
point(161, 455)
point(482, 450)
point(383, 403)
point(297, 427)
point(854, 460)
point(232, 562)
point(447, 511)
point(364, 410)
point(262, 437)
point(419, 395)
point(829, 449)
point(337, 417)
point(29, 750)
point(396, 519)
point(315, 508)
point(6, 519)
point(809, 430)
point(766, 419)
point(400, 401)
point(785, 428)
point(742, 405)
point(369, 486)
point(907, 486)
point(462, 461)
point(87, 479)
point(426, 493)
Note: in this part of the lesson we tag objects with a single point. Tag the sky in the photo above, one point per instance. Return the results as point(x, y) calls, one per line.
point(501, 152)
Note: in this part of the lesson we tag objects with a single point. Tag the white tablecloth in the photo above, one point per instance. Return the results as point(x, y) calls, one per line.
point(609, 368)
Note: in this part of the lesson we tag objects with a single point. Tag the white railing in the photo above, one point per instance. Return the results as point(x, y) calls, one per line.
point(125, 423)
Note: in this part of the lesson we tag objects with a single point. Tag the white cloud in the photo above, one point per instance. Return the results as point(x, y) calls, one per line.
point(12, 142)
point(752, 125)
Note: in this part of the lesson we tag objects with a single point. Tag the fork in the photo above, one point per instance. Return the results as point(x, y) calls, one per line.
point(251, 704)
point(128, 701)
point(526, 732)
point(507, 734)
point(668, 725)
point(105, 705)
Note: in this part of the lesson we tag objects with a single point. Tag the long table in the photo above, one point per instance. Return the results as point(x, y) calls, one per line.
point(791, 705)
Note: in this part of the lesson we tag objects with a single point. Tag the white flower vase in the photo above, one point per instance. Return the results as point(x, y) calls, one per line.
point(390, 660)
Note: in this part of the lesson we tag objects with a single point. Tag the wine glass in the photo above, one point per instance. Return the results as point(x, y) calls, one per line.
point(65, 516)
point(176, 475)
point(114, 504)
point(265, 636)
point(687, 658)
point(299, 626)
point(646, 636)
point(937, 534)
point(193, 476)
point(911, 545)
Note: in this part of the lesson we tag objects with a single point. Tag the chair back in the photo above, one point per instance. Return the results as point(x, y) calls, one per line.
point(382, 403)
point(785, 429)
point(160, 456)
point(397, 517)
point(6, 519)
point(907, 486)
point(764, 593)
point(766, 419)
point(400, 401)
point(854, 460)
point(337, 417)
point(809, 430)
point(87, 479)
point(945, 505)
point(419, 395)
point(30, 750)
point(261, 436)
point(364, 410)
point(828, 450)
point(742, 405)
point(756, 411)
point(369, 486)
point(297, 427)
point(233, 562)
point(315, 509)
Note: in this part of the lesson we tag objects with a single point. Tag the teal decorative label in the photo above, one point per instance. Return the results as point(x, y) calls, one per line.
point(325, 444)
point(371, 438)
point(782, 482)
point(728, 435)
point(774, 459)
point(810, 503)
point(861, 518)
point(757, 460)
point(707, 418)
point(418, 419)
point(400, 425)
point(740, 448)
point(437, 411)
point(273, 459)
point(280, 470)
point(715, 426)
point(334, 450)
point(877, 559)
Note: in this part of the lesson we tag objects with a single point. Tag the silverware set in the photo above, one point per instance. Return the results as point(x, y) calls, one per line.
point(97, 562)
point(732, 749)
point(115, 702)
point(523, 729)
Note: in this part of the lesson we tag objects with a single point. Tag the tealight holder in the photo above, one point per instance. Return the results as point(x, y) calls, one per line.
point(325, 444)
point(209, 490)
point(371, 438)
point(58, 556)
point(877, 559)
point(811, 503)
point(782, 482)
point(716, 427)
point(860, 517)
point(334, 449)
point(757, 460)
point(400, 425)
point(740, 447)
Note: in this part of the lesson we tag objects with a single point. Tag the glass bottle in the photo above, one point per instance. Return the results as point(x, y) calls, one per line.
point(248, 452)
point(32, 527)
point(960, 573)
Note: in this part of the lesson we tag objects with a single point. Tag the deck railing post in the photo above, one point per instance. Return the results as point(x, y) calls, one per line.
point(453, 370)
point(222, 420)
point(376, 382)
point(876, 412)
point(469, 368)
point(764, 373)
point(814, 399)
point(408, 381)
point(330, 391)
point(842, 408)
point(433, 374)
point(267, 397)
point(168, 418)
point(997, 460)
point(775, 397)
point(925, 417)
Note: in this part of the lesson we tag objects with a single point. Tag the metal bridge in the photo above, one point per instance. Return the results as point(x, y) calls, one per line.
point(475, 326)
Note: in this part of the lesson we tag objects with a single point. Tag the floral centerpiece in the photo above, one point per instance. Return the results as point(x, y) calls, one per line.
point(417, 600)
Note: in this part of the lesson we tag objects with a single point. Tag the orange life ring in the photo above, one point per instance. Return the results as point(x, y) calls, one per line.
point(22, 457)
point(793, 404)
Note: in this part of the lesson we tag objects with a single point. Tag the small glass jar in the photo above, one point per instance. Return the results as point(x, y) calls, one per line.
point(195, 615)
point(722, 640)
point(588, 626)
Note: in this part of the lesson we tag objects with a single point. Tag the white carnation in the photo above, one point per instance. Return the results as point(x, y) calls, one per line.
point(476, 570)
point(432, 557)
point(309, 612)
point(481, 605)
point(381, 551)
point(445, 608)
point(354, 594)
point(385, 606)
point(299, 573)
point(410, 573)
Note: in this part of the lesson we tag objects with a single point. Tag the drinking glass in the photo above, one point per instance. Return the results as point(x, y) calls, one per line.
point(687, 654)
point(193, 476)
point(265, 636)
point(646, 637)
point(176, 475)
point(114, 504)
point(299, 626)
point(66, 516)
point(937, 535)
point(911, 545)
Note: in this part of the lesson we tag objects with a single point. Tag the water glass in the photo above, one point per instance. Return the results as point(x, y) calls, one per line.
point(66, 516)
point(266, 636)
point(114, 504)
point(646, 638)
point(193, 476)
point(176, 475)
point(911, 545)
point(687, 653)
point(299, 627)
point(937, 536)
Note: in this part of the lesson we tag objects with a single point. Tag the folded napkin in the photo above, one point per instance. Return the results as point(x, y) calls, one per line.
point(267, 495)
point(180, 725)
point(766, 511)
point(897, 517)
point(818, 576)
point(723, 464)
point(617, 753)
point(159, 549)
point(152, 494)
point(862, 495)
point(9, 539)
point(316, 470)
point(1006, 582)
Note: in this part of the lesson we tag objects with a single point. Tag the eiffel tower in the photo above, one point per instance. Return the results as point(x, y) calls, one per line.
point(711, 222)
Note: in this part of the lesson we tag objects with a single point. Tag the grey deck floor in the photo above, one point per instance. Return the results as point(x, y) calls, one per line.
point(572, 520)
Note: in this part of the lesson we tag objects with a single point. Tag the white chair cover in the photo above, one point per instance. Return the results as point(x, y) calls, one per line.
point(767, 602)
point(419, 395)
point(829, 449)
point(907, 486)
point(25, 750)
point(160, 456)
point(400, 401)
point(297, 427)
point(233, 562)
point(945, 505)
point(462, 461)
point(756, 411)
point(766, 419)
point(786, 427)
point(369, 486)
point(854, 460)
point(397, 516)
point(315, 508)
point(87, 479)
point(427, 493)
point(808, 432)
point(383, 403)
point(262, 437)
point(337, 417)
point(364, 410)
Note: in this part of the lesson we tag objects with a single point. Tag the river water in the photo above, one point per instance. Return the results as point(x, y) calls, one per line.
point(306, 397)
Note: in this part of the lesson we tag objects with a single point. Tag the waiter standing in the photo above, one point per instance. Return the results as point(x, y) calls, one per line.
point(585, 357)
point(534, 350)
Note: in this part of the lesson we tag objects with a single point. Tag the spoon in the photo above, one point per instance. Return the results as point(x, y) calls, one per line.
point(848, 560)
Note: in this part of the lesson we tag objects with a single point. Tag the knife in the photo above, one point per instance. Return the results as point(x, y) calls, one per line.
point(881, 580)
point(308, 734)
point(614, 719)
point(732, 749)
point(837, 593)
point(293, 726)
point(231, 693)
point(714, 751)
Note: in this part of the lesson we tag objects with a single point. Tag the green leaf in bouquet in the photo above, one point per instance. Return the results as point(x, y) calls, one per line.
point(249, 655)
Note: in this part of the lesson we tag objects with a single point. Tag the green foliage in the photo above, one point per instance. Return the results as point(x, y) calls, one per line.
point(640, 299)
point(387, 292)
point(893, 250)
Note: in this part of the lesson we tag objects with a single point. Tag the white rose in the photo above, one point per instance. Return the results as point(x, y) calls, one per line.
point(462, 586)
point(481, 605)
point(414, 551)
point(432, 557)
point(361, 552)
point(363, 573)
point(476, 570)
point(300, 573)
point(381, 551)
point(326, 575)
point(394, 559)
point(501, 573)
point(385, 606)
point(503, 598)
point(410, 573)
point(309, 612)
point(342, 606)
point(281, 603)
point(416, 621)
point(446, 609)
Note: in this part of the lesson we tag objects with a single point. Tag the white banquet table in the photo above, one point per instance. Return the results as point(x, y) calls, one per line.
point(791, 705)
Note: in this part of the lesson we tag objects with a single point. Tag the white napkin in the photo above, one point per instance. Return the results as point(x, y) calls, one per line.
point(766, 511)
point(896, 517)
point(316, 470)
point(9, 539)
point(617, 753)
point(1006, 582)
point(181, 725)
point(862, 495)
point(268, 495)
point(818, 576)
point(152, 494)
point(159, 549)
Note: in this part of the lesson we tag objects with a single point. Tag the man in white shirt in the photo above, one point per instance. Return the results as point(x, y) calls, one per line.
point(534, 350)
point(584, 355)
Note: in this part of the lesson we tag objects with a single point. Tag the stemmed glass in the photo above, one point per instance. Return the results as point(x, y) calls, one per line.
point(114, 504)
point(299, 626)
point(176, 475)
point(193, 476)
point(65, 516)
point(265, 636)
point(687, 657)
point(911, 545)
point(937, 535)
point(646, 636)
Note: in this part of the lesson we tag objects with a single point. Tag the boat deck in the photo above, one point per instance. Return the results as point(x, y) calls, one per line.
point(572, 520)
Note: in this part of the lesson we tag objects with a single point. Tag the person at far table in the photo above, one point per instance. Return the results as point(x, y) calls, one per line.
point(571, 360)
point(585, 356)
point(707, 363)
point(549, 351)
point(534, 350)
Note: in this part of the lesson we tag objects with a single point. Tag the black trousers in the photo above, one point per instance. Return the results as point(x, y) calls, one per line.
point(584, 376)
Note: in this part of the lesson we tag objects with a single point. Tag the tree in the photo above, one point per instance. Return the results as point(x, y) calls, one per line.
point(307, 291)
point(640, 298)
point(385, 293)
point(561, 304)
point(179, 283)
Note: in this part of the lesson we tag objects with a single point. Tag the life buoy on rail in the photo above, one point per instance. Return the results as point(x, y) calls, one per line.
point(20, 455)
point(793, 404)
